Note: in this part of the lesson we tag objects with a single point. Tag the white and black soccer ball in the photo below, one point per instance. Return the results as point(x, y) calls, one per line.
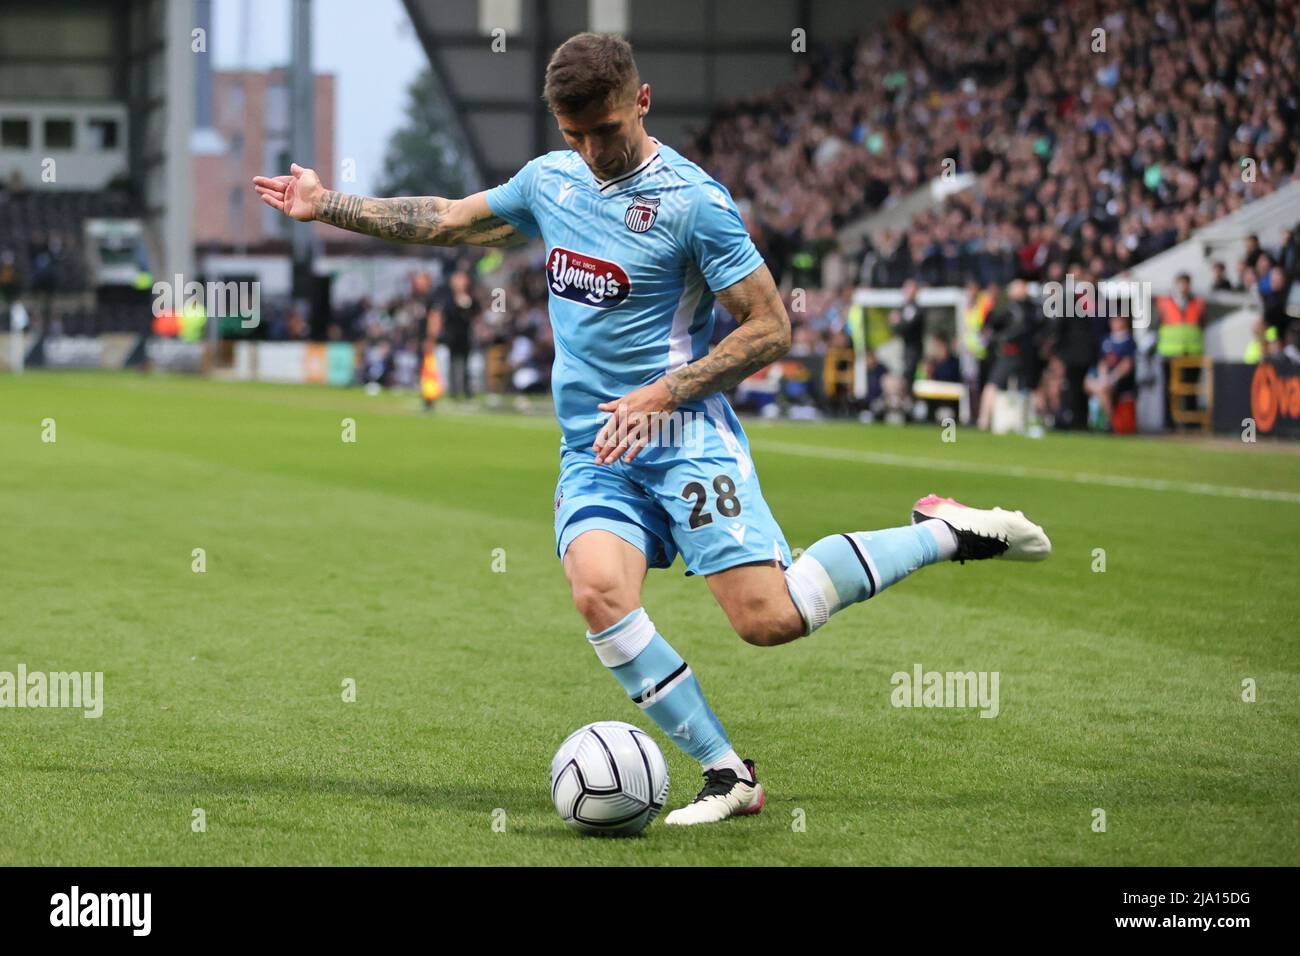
point(609, 778)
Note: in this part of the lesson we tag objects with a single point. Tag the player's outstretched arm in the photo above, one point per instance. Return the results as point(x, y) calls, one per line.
point(431, 220)
point(762, 338)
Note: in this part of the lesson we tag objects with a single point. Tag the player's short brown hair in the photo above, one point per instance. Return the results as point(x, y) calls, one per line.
point(590, 68)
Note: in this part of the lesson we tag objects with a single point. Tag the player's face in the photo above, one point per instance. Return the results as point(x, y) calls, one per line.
point(607, 135)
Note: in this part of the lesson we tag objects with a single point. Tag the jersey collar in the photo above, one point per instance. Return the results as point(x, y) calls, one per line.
point(607, 186)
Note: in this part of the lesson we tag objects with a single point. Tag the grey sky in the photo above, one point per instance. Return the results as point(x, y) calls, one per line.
point(367, 44)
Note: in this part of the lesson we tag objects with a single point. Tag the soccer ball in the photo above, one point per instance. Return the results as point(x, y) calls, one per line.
point(609, 779)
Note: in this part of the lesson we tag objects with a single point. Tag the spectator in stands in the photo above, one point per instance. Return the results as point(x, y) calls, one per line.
point(376, 363)
point(529, 365)
point(1289, 253)
point(8, 276)
point(942, 365)
point(1253, 251)
point(1114, 382)
point(1291, 351)
point(876, 373)
point(406, 363)
point(803, 341)
point(1262, 336)
point(1220, 281)
point(296, 325)
point(1246, 278)
point(43, 253)
point(1274, 288)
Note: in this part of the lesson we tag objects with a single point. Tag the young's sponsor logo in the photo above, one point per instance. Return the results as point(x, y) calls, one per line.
point(578, 277)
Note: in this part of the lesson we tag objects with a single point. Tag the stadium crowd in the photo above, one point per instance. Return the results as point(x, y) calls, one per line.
point(494, 340)
point(1101, 150)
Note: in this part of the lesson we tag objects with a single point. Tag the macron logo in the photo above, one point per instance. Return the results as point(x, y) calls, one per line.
point(102, 909)
point(737, 531)
point(564, 193)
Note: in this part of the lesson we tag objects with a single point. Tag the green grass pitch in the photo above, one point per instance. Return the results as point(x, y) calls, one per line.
point(326, 560)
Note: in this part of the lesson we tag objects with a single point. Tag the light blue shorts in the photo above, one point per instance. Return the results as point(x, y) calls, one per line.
point(699, 496)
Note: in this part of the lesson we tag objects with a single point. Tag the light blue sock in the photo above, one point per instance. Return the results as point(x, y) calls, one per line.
point(844, 569)
point(660, 683)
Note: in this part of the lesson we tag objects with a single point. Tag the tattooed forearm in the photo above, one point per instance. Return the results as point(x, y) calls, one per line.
point(339, 209)
point(408, 219)
point(423, 219)
point(755, 345)
point(762, 338)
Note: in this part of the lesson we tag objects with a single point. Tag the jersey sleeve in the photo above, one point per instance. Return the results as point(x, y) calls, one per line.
point(718, 241)
point(513, 199)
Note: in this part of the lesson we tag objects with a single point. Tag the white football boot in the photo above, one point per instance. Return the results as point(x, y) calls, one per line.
point(724, 795)
point(981, 533)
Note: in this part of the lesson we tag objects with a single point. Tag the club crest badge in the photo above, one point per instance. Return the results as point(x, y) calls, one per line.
point(641, 213)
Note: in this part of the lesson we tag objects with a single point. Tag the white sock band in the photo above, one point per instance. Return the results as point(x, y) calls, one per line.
point(812, 591)
point(944, 537)
point(622, 643)
point(731, 761)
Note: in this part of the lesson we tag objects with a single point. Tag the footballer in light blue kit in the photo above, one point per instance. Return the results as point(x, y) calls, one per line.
point(654, 463)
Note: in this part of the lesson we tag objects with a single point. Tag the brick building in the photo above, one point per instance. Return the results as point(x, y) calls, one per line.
point(249, 136)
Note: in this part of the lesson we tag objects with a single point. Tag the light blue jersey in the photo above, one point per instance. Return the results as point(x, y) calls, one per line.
point(631, 265)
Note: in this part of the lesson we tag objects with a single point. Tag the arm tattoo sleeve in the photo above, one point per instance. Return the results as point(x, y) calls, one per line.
point(762, 338)
point(412, 219)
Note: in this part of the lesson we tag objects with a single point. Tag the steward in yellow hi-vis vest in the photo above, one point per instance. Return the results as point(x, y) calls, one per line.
point(1181, 317)
point(1259, 344)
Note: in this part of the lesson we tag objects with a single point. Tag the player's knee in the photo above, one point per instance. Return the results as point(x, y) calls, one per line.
point(602, 600)
point(767, 629)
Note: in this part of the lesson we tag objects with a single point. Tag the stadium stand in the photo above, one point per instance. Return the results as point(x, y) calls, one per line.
point(45, 233)
point(1101, 158)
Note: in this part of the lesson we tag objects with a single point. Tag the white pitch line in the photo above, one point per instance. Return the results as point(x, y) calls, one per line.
point(1013, 471)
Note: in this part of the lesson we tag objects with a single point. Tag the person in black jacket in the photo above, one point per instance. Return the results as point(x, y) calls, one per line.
point(908, 324)
point(1075, 345)
point(1274, 289)
point(1014, 335)
point(457, 308)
